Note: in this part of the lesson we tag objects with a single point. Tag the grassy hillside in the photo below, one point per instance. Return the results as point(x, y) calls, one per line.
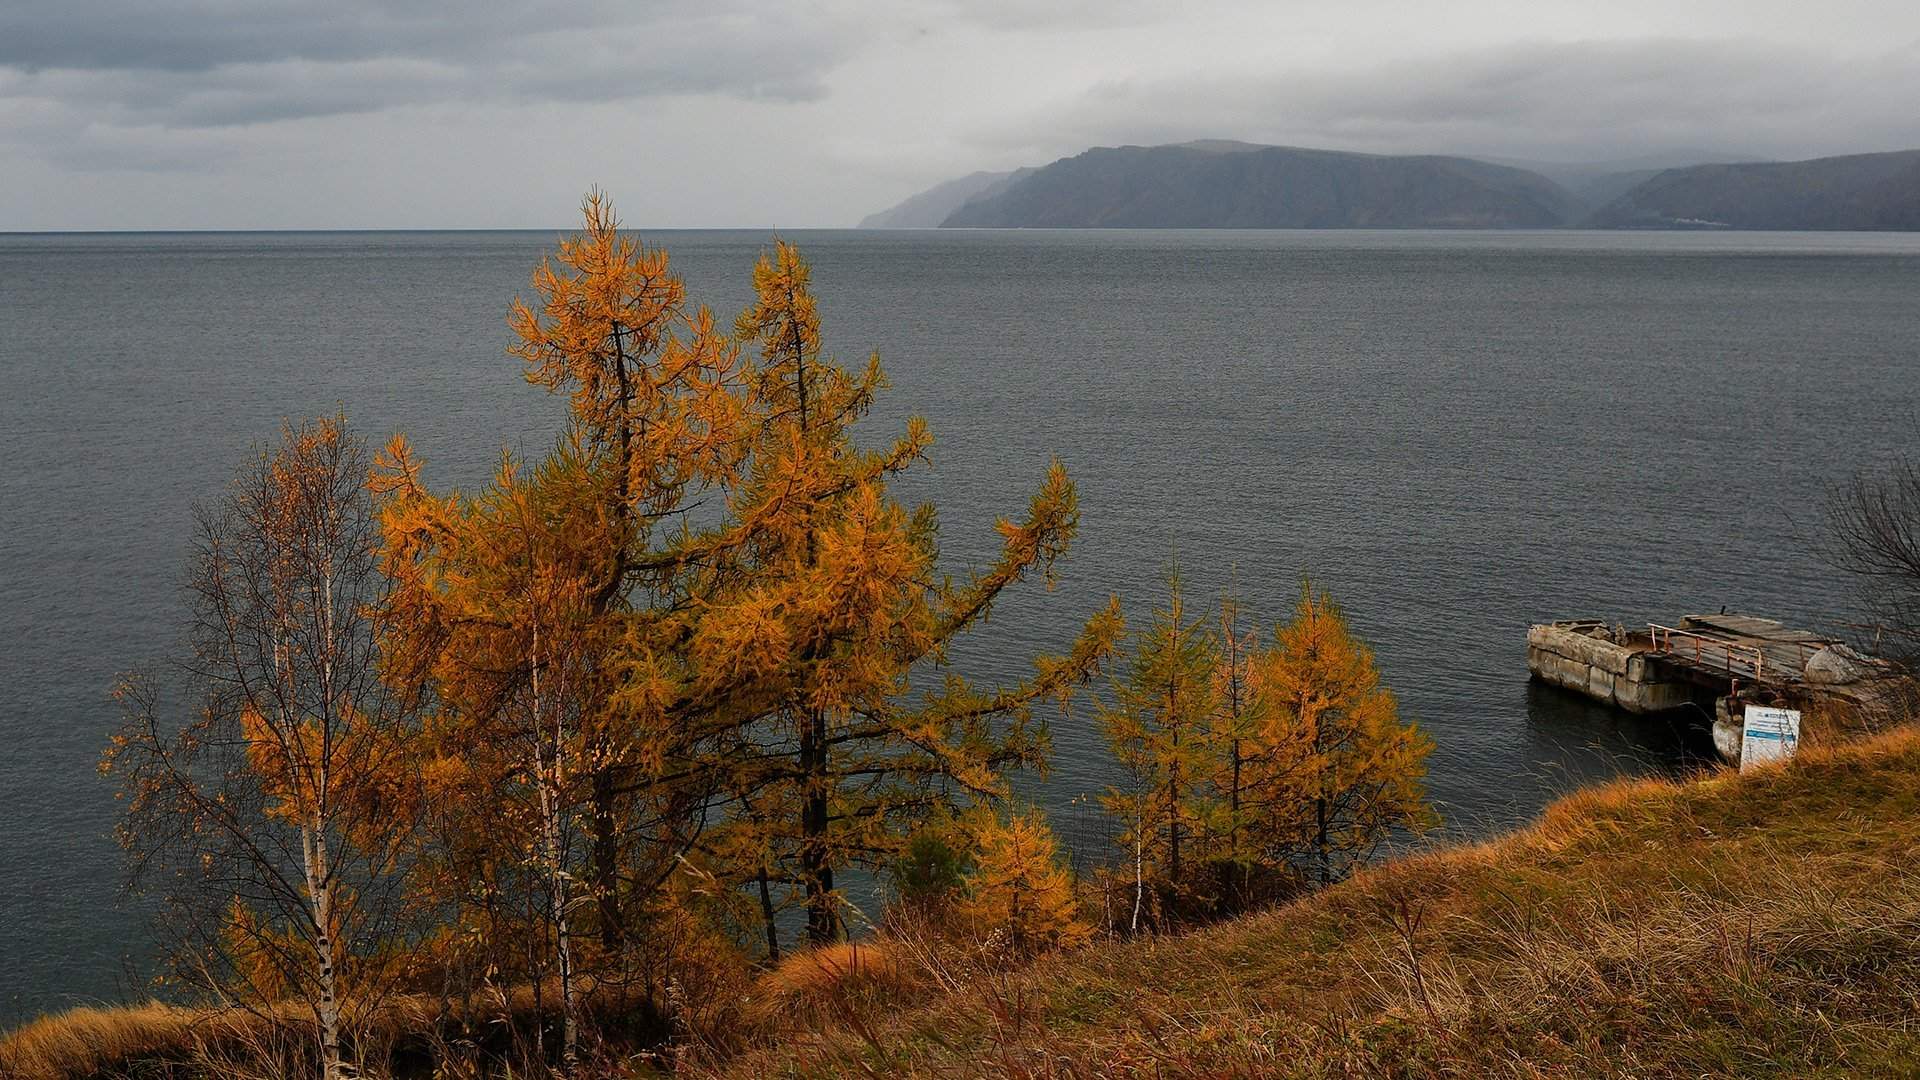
point(1733, 926)
point(1758, 926)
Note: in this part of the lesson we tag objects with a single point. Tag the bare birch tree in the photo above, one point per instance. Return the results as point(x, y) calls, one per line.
point(268, 815)
point(1873, 534)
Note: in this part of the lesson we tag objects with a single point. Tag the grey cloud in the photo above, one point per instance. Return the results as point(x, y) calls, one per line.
point(252, 99)
point(205, 64)
point(1060, 14)
point(199, 35)
point(142, 150)
point(1560, 100)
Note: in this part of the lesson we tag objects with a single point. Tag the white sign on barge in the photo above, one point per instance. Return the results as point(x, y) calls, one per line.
point(1768, 735)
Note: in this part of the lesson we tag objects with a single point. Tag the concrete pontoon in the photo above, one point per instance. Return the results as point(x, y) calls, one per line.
point(1712, 663)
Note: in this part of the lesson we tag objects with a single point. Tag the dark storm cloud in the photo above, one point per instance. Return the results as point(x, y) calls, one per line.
point(210, 64)
point(188, 36)
point(1570, 100)
point(198, 35)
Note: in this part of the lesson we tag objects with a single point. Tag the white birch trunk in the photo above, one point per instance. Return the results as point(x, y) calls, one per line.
point(550, 778)
point(320, 892)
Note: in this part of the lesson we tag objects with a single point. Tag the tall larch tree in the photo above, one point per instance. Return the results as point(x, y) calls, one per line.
point(654, 393)
point(1160, 725)
point(495, 612)
point(274, 818)
point(553, 602)
point(850, 727)
point(1334, 771)
point(1236, 724)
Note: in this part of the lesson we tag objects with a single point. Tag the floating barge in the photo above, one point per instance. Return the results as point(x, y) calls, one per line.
point(1712, 663)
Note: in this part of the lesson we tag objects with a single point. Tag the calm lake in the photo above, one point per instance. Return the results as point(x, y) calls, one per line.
point(1458, 433)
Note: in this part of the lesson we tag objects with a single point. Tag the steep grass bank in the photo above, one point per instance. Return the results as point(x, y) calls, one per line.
point(1766, 925)
point(1731, 926)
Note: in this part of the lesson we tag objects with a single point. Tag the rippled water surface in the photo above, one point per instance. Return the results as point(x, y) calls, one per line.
point(1457, 433)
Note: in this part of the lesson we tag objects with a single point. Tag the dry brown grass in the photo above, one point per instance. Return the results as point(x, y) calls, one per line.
point(152, 1039)
point(815, 985)
point(826, 970)
point(1730, 926)
point(486, 1036)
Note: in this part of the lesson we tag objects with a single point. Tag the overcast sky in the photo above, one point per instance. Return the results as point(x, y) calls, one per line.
point(434, 113)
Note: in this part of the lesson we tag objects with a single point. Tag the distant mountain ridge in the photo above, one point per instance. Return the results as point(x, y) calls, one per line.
point(931, 207)
point(1213, 185)
point(1594, 184)
point(1226, 184)
point(1858, 191)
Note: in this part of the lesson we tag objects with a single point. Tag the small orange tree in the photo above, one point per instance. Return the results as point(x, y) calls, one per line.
point(1234, 731)
point(1016, 887)
point(1332, 771)
point(1161, 727)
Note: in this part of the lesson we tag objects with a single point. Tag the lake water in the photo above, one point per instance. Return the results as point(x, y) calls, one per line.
point(1457, 433)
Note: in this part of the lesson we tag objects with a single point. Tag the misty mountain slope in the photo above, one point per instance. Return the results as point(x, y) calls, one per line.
point(1859, 191)
point(931, 207)
point(1594, 184)
point(1234, 185)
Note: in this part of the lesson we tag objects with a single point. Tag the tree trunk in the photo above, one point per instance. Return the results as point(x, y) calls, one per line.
point(1139, 874)
point(1240, 858)
point(767, 919)
point(551, 774)
point(1173, 790)
point(313, 850)
point(1173, 825)
point(823, 919)
point(558, 897)
point(319, 866)
point(606, 862)
point(1320, 840)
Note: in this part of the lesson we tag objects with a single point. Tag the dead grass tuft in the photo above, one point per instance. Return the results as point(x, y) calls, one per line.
point(148, 1039)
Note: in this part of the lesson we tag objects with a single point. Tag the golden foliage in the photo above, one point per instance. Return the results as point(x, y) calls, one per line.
point(1331, 770)
point(830, 635)
point(1016, 890)
point(648, 378)
point(1161, 728)
point(665, 680)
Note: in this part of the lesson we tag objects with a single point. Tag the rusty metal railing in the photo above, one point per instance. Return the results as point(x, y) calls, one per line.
point(1710, 652)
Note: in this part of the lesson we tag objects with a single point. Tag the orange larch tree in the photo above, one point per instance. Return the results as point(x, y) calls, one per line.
point(1161, 725)
point(1236, 722)
point(544, 620)
point(493, 612)
point(830, 633)
point(1015, 889)
point(656, 398)
point(1332, 771)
